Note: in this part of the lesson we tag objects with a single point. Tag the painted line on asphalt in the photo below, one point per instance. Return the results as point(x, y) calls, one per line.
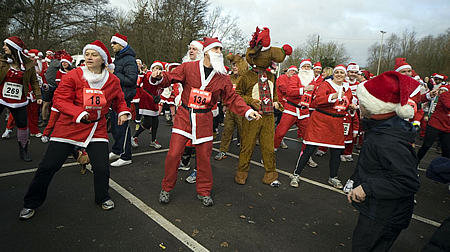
point(325, 186)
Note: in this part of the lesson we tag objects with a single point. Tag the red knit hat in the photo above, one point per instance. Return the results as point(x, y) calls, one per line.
point(292, 68)
point(67, 58)
point(317, 65)
point(340, 67)
point(352, 67)
point(387, 93)
point(99, 47)
point(304, 62)
point(400, 64)
point(210, 43)
point(120, 39)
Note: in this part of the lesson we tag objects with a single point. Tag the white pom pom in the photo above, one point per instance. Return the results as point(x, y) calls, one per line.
point(405, 112)
point(111, 66)
point(10, 61)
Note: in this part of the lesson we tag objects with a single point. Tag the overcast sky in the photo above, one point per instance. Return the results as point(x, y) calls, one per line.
point(356, 24)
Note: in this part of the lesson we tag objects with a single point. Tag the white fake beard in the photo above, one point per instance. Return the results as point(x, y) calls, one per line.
point(306, 76)
point(216, 60)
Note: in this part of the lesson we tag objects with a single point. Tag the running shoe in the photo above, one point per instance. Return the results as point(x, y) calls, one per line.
point(295, 179)
point(155, 145)
point(134, 142)
point(191, 179)
point(335, 182)
point(221, 155)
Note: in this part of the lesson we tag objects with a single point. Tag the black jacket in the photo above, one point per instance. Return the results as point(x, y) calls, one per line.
point(387, 171)
point(127, 71)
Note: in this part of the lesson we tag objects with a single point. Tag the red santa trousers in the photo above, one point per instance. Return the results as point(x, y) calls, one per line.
point(285, 124)
point(203, 155)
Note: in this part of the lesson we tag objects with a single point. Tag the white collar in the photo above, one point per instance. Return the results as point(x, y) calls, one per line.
point(95, 80)
point(337, 87)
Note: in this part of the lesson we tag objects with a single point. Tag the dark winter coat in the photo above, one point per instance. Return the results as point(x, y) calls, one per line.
point(387, 171)
point(127, 71)
point(50, 73)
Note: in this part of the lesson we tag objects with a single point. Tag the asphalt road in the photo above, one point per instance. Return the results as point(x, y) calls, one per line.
point(252, 217)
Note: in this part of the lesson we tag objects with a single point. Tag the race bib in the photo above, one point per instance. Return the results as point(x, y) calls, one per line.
point(93, 99)
point(346, 128)
point(306, 99)
point(199, 99)
point(12, 91)
point(342, 104)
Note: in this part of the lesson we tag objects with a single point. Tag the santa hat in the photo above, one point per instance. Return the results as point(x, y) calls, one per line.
point(197, 44)
point(304, 62)
point(172, 66)
point(157, 63)
point(227, 68)
point(33, 53)
point(317, 65)
point(366, 74)
point(66, 58)
point(40, 54)
point(120, 39)
point(445, 87)
point(340, 67)
point(18, 44)
point(352, 67)
point(439, 76)
point(387, 93)
point(211, 43)
point(292, 68)
point(400, 64)
point(261, 37)
point(51, 52)
point(99, 47)
point(165, 65)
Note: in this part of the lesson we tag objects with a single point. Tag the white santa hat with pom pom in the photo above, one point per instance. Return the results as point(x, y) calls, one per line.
point(387, 93)
point(102, 50)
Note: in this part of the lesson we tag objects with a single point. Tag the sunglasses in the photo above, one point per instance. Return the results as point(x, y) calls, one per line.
point(114, 43)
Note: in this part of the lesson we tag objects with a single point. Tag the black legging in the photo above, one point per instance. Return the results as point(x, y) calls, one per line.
point(54, 158)
point(149, 121)
point(19, 114)
point(430, 135)
point(307, 153)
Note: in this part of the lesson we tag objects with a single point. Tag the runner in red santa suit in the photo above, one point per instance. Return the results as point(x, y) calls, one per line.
point(17, 74)
point(298, 97)
point(326, 127)
point(83, 97)
point(148, 108)
point(352, 74)
point(203, 83)
point(317, 68)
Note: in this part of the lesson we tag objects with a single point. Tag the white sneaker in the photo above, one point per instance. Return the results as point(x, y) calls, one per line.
point(343, 159)
point(155, 145)
point(348, 186)
point(295, 179)
point(44, 139)
point(120, 162)
point(335, 182)
point(283, 145)
point(275, 183)
point(349, 158)
point(113, 156)
point(38, 135)
point(311, 163)
point(7, 133)
point(320, 153)
point(134, 142)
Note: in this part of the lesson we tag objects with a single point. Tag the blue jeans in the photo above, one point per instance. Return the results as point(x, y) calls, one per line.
point(122, 137)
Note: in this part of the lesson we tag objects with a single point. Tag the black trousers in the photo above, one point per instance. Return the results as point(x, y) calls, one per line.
point(370, 235)
point(430, 135)
point(54, 158)
point(19, 114)
point(307, 153)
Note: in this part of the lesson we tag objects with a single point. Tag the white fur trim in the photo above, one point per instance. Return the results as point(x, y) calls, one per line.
point(331, 100)
point(439, 76)
point(125, 113)
point(81, 116)
point(11, 43)
point(156, 64)
point(352, 68)
point(197, 44)
point(247, 114)
point(119, 41)
point(403, 67)
point(341, 68)
point(416, 91)
point(64, 60)
point(212, 45)
point(293, 68)
point(443, 88)
point(317, 67)
point(97, 49)
point(304, 63)
point(300, 91)
point(405, 111)
point(374, 105)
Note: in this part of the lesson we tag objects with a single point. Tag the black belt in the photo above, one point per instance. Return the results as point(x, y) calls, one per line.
point(330, 114)
point(296, 105)
point(195, 110)
point(90, 121)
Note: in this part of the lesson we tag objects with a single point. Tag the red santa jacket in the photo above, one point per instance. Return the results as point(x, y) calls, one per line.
point(326, 128)
point(59, 75)
point(441, 116)
point(69, 100)
point(282, 83)
point(137, 97)
point(147, 105)
point(198, 126)
point(297, 98)
point(351, 126)
point(318, 78)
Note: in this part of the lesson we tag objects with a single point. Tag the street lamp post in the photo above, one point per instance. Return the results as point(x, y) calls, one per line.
point(381, 49)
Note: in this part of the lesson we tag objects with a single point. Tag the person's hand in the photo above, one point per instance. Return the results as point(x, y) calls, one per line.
point(85, 117)
point(111, 71)
point(352, 106)
point(355, 135)
point(356, 195)
point(256, 104)
point(122, 119)
point(255, 115)
point(433, 93)
point(335, 96)
point(309, 88)
point(39, 101)
point(426, 118)
point(276, 105)
point(157, 74)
